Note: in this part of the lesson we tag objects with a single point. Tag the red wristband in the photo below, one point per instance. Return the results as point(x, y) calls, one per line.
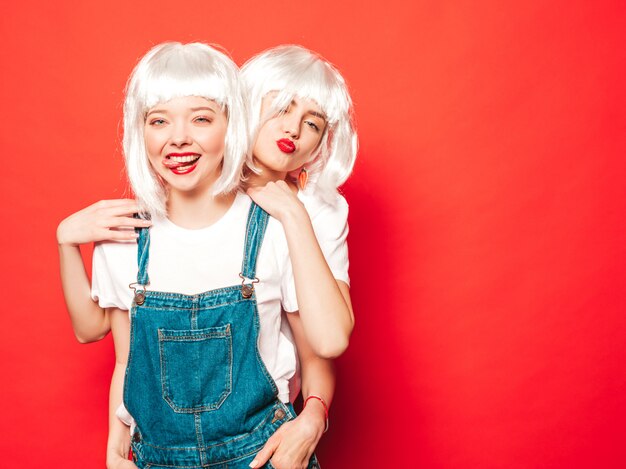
point(313, 396)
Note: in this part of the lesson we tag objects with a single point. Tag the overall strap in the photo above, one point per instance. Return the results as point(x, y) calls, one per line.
point(143, 252)
point(255, 230)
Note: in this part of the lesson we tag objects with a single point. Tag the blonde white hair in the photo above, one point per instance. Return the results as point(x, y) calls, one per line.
point(291, 71)
point(172, 70)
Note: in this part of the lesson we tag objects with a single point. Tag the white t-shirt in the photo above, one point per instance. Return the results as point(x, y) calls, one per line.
point(194, 261)
point(330, 223)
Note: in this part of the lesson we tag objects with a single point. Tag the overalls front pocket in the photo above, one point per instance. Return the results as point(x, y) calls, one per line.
point(196, 367)
point(195, 382)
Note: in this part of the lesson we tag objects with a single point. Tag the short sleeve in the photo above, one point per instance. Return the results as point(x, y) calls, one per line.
point(330, 223)
point(288, 287)
point(289, 302)
point(114, 268)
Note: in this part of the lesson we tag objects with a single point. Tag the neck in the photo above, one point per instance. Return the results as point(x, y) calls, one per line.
point(197, 210)
point(267, 175)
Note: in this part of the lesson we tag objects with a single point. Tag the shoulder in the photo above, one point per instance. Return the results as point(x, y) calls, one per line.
point(330, 208)
point(242, 201)
point(329, 215)
point(115, 249)
point(240, 208)
point(115, 258)
point(114, 267)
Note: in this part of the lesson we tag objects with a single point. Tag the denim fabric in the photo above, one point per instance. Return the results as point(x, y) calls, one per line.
point(195, 382)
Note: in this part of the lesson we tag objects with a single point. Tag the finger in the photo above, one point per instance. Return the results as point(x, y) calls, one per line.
point(122, 209)
point(266, 452)
point(118, 223)
point(122, 235)
point(114, 202)
point(128, 221)
point(309, 455)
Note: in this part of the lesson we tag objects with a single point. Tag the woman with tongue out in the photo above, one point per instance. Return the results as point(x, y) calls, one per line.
point(303, 148)
point(202, 367)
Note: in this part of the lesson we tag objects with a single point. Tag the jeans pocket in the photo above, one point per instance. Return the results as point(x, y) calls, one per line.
point(196, 367)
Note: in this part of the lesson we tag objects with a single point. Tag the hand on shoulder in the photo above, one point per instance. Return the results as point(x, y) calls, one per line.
point(102, 221)
point(278, 199)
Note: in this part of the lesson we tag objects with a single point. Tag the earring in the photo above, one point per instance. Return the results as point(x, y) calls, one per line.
point(303, 177)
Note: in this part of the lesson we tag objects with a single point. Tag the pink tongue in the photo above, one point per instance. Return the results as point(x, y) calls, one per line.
point(174, 164)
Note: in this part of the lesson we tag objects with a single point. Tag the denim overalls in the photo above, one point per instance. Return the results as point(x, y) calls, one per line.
point(195, 382)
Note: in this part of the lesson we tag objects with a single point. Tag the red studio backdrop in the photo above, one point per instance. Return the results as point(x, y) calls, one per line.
point(487, 221)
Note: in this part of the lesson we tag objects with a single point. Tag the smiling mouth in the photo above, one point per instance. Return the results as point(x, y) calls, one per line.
point(181, 163)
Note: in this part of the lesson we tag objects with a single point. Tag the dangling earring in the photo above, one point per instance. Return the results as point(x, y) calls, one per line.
point(303, 177)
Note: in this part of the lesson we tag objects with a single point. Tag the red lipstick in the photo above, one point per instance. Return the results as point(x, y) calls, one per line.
point(285, 145)
point(181, 163)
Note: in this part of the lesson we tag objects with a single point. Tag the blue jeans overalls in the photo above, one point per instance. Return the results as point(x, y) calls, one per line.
point(195, 382)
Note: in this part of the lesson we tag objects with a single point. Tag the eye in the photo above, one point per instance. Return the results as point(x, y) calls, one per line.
point(279, 113)
point(312, 125)
point(203, 120)
point(156, 122)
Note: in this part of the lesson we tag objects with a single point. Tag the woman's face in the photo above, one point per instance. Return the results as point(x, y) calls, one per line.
point(185, 142)
point(289, 139)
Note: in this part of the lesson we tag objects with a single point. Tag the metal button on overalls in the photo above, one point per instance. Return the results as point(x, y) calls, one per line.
point(195, 383)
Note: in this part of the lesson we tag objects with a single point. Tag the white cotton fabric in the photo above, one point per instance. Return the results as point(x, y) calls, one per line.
point(194, 261)
point(330, 224)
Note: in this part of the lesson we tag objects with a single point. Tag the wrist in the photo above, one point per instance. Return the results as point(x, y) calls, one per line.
point(315, 408)
point(315, 420)
point(63, 243)
point(295, 215)
point(62, 240)
point(66, 244)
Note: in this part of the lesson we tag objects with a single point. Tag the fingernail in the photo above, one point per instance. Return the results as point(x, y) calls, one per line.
point(253, 463)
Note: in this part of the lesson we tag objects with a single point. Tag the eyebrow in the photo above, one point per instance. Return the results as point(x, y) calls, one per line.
point(204, 108)
point(311, 112)
point(193, 109)
point(317, 114)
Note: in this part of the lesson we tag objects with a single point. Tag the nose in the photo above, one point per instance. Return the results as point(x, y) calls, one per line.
point(291, 125)
point(180, 135)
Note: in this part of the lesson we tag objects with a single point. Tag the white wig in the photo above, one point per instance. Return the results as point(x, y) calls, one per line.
point(172, 70)
point(292, 71)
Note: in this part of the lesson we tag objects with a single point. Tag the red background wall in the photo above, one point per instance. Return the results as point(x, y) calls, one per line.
point(487, 221)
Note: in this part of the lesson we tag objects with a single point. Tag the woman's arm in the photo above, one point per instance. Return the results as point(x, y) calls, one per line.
point(118, 444)
point(294, 442)
point(98, 222)
point(89, 321)
point(324, 303)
